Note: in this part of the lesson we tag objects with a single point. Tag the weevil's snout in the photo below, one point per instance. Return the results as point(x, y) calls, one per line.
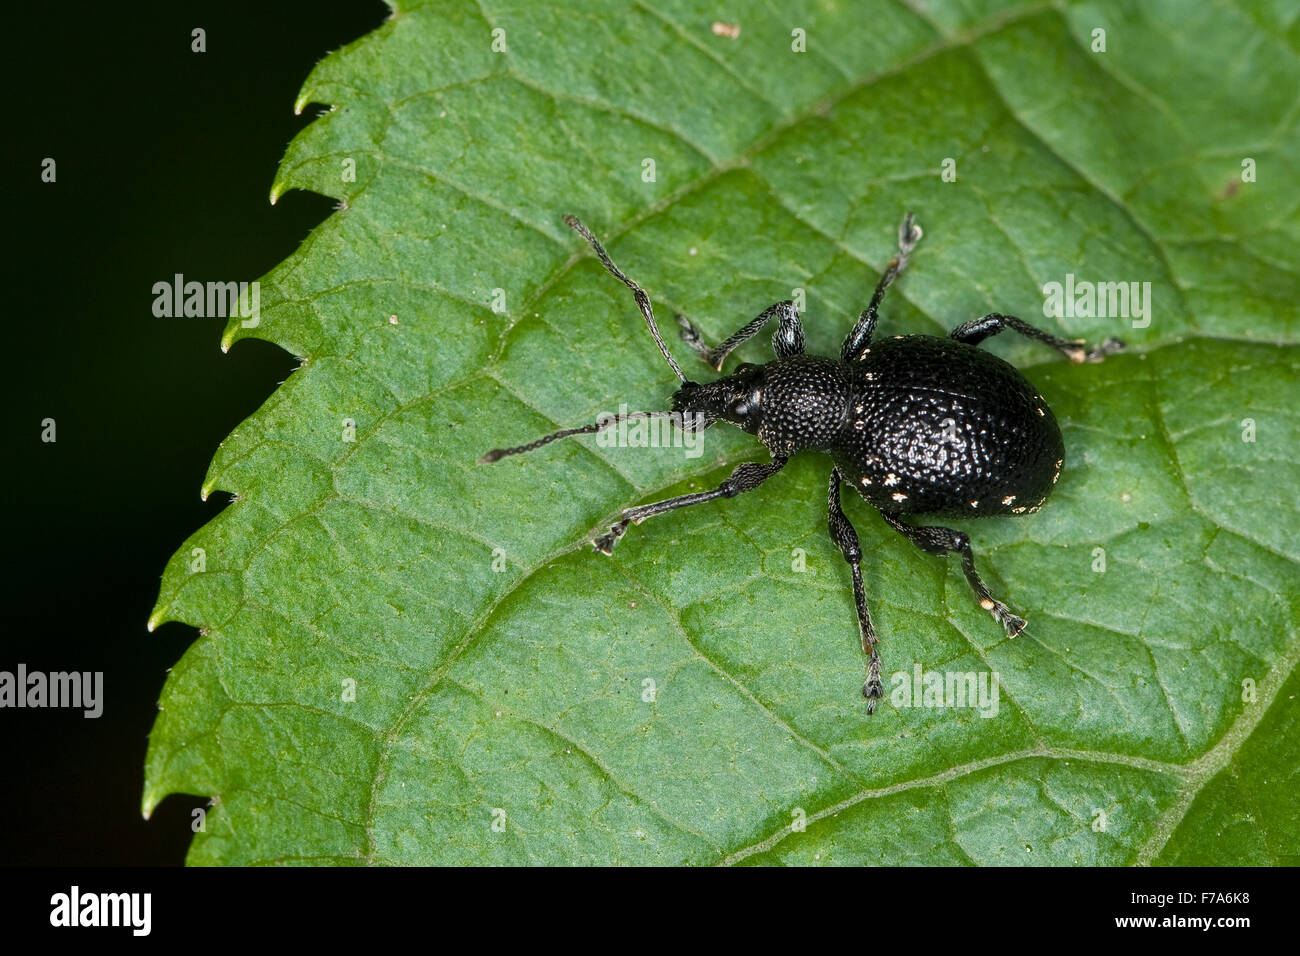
point(686, 397)
point(737, 398)
point(692, 402)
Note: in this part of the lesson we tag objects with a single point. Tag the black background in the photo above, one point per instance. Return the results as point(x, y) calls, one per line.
point(165, 162)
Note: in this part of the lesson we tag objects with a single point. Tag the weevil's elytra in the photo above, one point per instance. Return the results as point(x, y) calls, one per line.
point(929, 436)
point(917, 424)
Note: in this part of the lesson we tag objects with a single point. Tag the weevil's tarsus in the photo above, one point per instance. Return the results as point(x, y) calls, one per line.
point(642, 300)
point(1107, 346)
point(909, 234)
point(605, 543)
point(694, 339)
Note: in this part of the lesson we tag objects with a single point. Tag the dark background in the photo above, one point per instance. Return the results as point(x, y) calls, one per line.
point(165, 162)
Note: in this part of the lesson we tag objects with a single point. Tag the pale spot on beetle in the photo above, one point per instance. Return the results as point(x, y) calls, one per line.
point(858, 409)
point(1019, 511)
point(1041, 412)
point(899, 496)
point(1008, 499)
point(986, 604)
point(891, 479)
point(859, 424)
point(866, 480)
point(975, 503)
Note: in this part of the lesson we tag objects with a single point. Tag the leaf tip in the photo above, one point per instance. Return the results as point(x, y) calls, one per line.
point(149, 802)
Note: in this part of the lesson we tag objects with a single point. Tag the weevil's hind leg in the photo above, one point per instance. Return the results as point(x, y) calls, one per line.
point(846, 539)
point(909, 234)
point(1076, 350)
point(937, 540)
point(745, 477)
point(787, 340)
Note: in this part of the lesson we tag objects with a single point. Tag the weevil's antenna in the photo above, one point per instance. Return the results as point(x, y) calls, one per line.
point(496, 454)
point(642, 300)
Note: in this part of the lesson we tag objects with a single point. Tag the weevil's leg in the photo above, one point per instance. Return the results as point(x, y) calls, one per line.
point(909, 234)
point(1076, 350)
point(846, 539)
point(936, 540)
point(787, 340)
point(746, 477)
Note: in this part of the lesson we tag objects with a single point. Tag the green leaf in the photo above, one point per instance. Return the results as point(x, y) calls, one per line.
point(502, 670)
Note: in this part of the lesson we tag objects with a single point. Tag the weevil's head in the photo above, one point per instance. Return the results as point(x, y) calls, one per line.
point(736, 398)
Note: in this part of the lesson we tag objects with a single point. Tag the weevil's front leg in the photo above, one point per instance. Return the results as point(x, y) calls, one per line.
point(846, 538)
point(940, 541)
point(746, 477)
point(787, 340)
point(1076, 350)
point(909, 234)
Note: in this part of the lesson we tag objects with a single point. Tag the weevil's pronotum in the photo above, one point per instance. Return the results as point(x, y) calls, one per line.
point(916, 424)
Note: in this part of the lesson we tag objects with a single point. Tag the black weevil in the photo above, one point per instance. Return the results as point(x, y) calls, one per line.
point(916, 424)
